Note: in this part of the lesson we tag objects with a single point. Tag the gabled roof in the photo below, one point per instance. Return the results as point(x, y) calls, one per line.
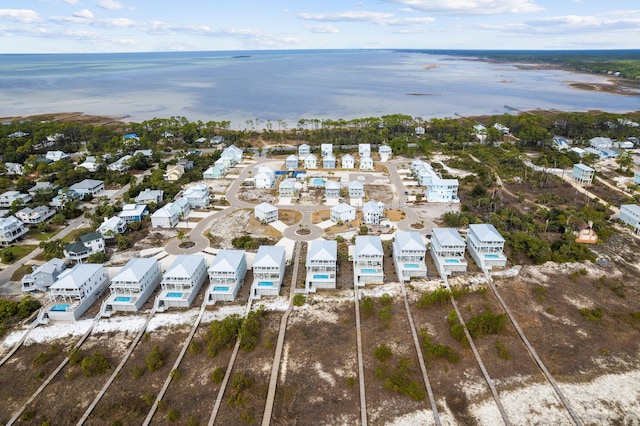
point(287, 184)
point(322, 250)
point(409, 241)
point(269, 257)
point(356, 185)
point(342, 207)
point(633, 208)
point(583, 167)
point(184, 266)
point(292, 158)
point(372, 206)
point(91, 236)
point(332, 184)
point(227, 260)
point(368, 245)
point(169, 210)
point(265, 208)
point(50, 267)
point(135, 269)
point(447, 237)
point(347, 157)
point(486, 232)
point(75, 277)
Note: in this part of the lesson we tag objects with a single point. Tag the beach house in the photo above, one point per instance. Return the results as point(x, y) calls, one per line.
point(287, 188)
point(442, 190)
point(310, 162)
point(372, 212)
point(291, 162)
point(14, 168)
point(332, 189)
point(265, 177)
point(11, 230)
point(214, 172)
point(356, 189)
point(630, 214)
point(88, 187)
point(583, 174)
point(348, 162)
point(90, 163)
point(385, 153)
point(342, 213)
point(304, 150)
point(173, 173)
point(182, 281)
point(367, 260)
point(150, 196)
point(232, 155)
point(268, 271)
point(167, 216)
point(112, 226)
point(74, 291)
point(121, 164)
point(226, 275)
point(43, 276)
point(329, 162)
point(33, 216)
point(42, 188)
point(87, 245)
point(447, 251)
point(63, 197)
point(366, 163)
point(409, 253)
point(133, 212)
point(197, 196)
point(486, 246)
point(133, 285)
point(364, 150)
point(480, 132)
point(54, 156)
point(326, 149)
point(10, 197)
point(501, 128)
point(419, 130)
point(265, 213)
point(322, 265)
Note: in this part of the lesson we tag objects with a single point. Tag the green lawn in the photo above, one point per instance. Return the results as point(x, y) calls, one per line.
point(18, 251)
point(75, 234)
point(21, 272)
point(41, 236)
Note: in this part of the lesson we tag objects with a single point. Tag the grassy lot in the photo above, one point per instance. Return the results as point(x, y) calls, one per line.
point(18, 251)
point(42, 236)
point(21, 272)
point(75, 234)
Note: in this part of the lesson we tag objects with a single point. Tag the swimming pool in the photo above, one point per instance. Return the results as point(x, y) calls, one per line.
point(220, 288)
point(411, 265)
point(320, 277)
point(265, 284)
point(368, 271)
point(122, 299)
point(317, 182)
point(491, 256)
point(451, 261)
point(60, 307)
point(174, 294)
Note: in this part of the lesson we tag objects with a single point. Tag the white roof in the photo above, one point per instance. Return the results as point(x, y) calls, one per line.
point(342, 207)
point(356, 185)
point(132, 210)
point(332, 184)
point(375, 206)
point(265, 208)
point(583, 167)
point(111, 223)
point(169, 210)
point(50, 267)
point(227, 260)
point(135, 269)
point(322, 250)
point(287, 184)
point(269, 256)
point(86, 184)
point(184, 266)
point(447, 237)
point(633, 208)
point(486, 232)
point(368, 245)
point(77, 276)
point(409, 240)
point(347, 157)
point(292, 158)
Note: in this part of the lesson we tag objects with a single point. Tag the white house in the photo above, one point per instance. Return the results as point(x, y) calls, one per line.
point(364, 150)
point(600, 143)
point(88, 187)
point(214, 172)
point(266, 213)
point(332, 189)
point(583, 174)
point(447, 250)
point(356, 189)
point(120, 165)
point(636, 178)
point(89, 244)
point(442, 191)
point(43, 276)
point(287, 188)
point(310, 162)
point(372, 212)
point(56, 156)
point(265, 177)
point(89, 163)
point(112, 226)
point(14, 168)
point(630, 214)
point(9, 197)
point(366, 163)
point(150, 196)
point(183, 206)
point(11, 230)
point(226, 275)
point(409, 252)
point(486, 246)
point(348, 162)
point(75, 291)
point(291, 162)
point(133, 285)
point(182, 281)
point(33, 216)
point(501, 128)
point(342, 213)
point(367, 260)
point(268, 271)
point(322, 265)
point(326, 149)
point(133, 212)
point(480, 132)
point(232, 155)
point(197, 196)
point(419, 130)
point(41, 187)
point(385, 153)
point(329, 162)
point(167, 216)
point(304, 150)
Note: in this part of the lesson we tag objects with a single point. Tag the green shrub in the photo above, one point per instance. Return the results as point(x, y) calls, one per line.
point(95, 365)
point(148, 398)
point(247, 416)
point(222, 334)
point(351, 381)
point(217, 375)
point(249, 332)
point(137, 372)
point(195, 347)
point(27, 306)
point(175, 374)
point(380, 372)
point(384, 314)
point(592, 314)
point(367, 306)
point(433, 350)
point(382, 352)
point(386, 299)
point(400, 381)
point(155, 360)
point(172, 415)
point(503, 350)
point(75, 357)
point(299, 300)
point(486, 323)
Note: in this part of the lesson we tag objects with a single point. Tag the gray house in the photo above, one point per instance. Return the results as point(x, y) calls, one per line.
point(630, 214)
point(356, 189)
point(583, 174)
point(332, 189)
point(43, 276)
point(133, 285)
point(291, 162)
point(182, 281)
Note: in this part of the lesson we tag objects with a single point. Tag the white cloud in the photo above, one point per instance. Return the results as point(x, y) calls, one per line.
point(471, 7)
point(111, 4)
point(25, 16)
point(323, 29)
point(84, 13)
point(586, 23)
point(346, 16)
point(74, 2)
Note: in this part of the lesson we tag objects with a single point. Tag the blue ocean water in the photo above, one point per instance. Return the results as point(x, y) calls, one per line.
point(286, 86)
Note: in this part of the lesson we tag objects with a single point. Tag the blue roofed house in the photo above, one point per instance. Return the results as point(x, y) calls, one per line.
point(133, 285)
point(486, 246)
point(332, 189)
point(322, 265)
point(133, 212)
point(88, 187)
point(226, 275)
point(43, 276)
point(348, 161)
point(372, 212)
point(409, 252)
point(366, 163)
point(583, 174)
point(266, 213)
point(291, 162)
point(87, 245)
point(329, 162)
point(447, 251)
point(342, 213)
point(268, 271)
point(182, 281)
point(630, 214)
point(304, 150)
point(368, 260)
point(287, 188)
point(356, 189)
point(74, 292)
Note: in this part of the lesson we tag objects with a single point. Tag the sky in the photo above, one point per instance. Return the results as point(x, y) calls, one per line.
point(84, 26)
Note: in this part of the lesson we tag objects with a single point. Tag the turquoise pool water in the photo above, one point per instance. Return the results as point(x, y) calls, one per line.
point(451, 261)
point(320, 277)
point(317, 182)
point(122, 299)
point(220, 288)
point(411, 265)
point(265, 284)
point(491, 256)
point(368, 271)
point(60, 307)
point(174, 294)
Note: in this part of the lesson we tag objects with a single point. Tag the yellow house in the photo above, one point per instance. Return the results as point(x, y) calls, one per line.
point(174, 173)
